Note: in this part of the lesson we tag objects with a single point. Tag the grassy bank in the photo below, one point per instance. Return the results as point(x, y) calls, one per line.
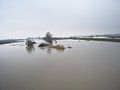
point(9, 41)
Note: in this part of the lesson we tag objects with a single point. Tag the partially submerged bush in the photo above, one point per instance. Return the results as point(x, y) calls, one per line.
point(69, 47)
point(30, 42)
point(57, 46)
point(43, 45)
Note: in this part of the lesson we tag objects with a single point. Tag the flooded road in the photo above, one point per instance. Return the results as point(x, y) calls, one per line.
point(88, 65)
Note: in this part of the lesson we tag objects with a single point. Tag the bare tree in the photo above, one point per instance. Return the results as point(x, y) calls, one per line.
point(48, 37)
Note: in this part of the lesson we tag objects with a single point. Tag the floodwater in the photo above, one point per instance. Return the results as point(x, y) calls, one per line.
point(88, 65)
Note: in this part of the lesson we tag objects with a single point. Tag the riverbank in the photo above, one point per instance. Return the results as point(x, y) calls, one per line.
point(91, 39)
point(7, 41)
point(99, 39)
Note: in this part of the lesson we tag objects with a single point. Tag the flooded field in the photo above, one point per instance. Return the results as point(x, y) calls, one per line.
point(88, 65)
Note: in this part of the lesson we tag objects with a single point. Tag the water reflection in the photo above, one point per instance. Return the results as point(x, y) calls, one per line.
point(50, 50)
point(30, 49)
point(59, 50)
point(42, 48)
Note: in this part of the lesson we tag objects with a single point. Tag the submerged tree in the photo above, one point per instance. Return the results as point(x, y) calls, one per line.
point(48, 37)
point(30, 41)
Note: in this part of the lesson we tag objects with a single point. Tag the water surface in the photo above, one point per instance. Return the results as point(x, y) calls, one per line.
point(87, 66)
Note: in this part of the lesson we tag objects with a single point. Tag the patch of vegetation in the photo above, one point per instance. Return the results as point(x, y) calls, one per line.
point(57, 46)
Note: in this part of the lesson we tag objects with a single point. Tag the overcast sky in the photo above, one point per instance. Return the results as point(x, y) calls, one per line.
point(23, 18)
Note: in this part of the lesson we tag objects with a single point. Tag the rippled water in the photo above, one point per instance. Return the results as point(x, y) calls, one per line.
point(87, 66)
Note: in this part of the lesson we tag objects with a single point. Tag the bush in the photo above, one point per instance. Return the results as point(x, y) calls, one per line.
point(57, 46)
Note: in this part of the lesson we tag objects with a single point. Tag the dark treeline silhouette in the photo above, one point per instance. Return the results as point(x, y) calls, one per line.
point(10, 41)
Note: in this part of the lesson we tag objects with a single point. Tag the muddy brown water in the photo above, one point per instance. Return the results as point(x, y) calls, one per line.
point(88, 65)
